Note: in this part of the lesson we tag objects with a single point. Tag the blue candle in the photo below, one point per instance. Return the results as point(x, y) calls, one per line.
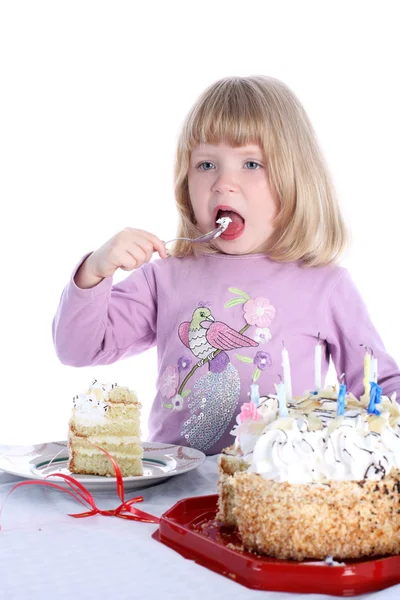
point(378, 394)
point(375, 398)
point(341, 400)
point(372, 396)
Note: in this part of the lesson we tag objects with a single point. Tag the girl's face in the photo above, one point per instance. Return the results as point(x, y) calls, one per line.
point(232, 182)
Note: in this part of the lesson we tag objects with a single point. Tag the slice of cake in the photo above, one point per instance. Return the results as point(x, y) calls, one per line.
point(108, 416)
point(315, 483)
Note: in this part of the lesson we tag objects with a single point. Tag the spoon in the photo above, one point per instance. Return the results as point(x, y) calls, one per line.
point(207, 237)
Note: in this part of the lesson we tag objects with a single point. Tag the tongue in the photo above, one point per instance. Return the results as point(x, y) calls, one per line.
point(237, 221)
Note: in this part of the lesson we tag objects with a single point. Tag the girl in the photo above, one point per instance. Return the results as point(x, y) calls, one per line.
point(220, 312)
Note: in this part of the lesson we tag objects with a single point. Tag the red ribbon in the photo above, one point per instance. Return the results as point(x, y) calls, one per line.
point(82, 495)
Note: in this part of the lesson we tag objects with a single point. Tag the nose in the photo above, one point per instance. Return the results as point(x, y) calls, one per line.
point(224, 182)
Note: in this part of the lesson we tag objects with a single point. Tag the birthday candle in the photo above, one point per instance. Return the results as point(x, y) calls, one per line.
point(367, 371)
point(376, 392)
point(341, 400)
point(374, 369)
point(286, 374)
point(255, 394)
point(283, 411)
point(318, 365)
point(371, 405)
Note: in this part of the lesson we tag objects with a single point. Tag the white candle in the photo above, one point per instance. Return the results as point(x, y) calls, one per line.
point(286, 375)
point(283, 412)
point(374, 369)
point(318, 366)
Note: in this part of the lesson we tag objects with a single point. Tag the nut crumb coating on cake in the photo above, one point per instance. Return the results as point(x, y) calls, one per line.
point(228, 466)
point(343, 519)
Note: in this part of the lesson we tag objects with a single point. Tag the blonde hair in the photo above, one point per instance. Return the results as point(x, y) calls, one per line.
point(258, 109)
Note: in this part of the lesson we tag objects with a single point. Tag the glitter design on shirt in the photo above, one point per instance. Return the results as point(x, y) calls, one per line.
point(212, 407)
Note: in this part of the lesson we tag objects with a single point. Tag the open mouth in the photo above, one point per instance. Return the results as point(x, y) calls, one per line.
point(235, 227)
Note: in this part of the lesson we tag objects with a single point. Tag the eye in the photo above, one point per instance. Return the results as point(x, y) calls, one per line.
point(202, 314)
point(206, 162)
point(253, 162)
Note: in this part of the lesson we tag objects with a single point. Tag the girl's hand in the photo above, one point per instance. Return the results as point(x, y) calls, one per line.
point(128, 250)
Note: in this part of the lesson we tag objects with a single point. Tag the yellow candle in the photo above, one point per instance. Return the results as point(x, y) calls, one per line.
point(374, 369)
point(367, 375)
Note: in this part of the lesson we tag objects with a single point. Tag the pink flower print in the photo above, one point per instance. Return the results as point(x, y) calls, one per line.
point(259, 312)
point(169, 382)
point(248, 411)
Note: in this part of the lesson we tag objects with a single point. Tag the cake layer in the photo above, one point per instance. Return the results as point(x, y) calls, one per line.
point(106, 427)
point(99, 464)
point(115, 445)
point(343, 519)
point(122, 411)
point(133, 452)
point(122, 394)
point(113, 411)
point(111, 439)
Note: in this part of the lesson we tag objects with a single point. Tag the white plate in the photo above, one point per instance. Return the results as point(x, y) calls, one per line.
point(160, 461)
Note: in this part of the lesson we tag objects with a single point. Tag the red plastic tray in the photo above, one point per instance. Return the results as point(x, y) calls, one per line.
point(189, 527)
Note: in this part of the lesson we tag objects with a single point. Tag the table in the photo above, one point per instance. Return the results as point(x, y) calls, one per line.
point(44, 553)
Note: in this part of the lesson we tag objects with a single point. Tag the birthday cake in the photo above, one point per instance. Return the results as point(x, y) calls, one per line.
point(317, 476)
point(106, 416)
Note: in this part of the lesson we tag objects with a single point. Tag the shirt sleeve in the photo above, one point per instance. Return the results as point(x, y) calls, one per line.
point(103, 324)
point(349, 328)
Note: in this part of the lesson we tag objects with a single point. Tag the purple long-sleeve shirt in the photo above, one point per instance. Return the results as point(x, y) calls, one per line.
point(218, 322)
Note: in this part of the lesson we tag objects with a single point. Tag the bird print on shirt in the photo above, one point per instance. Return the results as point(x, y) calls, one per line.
point(215, 394)
point(204, 336)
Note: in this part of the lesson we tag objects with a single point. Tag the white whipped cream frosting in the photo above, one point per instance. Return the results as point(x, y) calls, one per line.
point(91, 406)
point(313, 444)
point(224, 222)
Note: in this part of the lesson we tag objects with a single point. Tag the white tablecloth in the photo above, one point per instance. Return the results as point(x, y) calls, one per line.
point(44, 553)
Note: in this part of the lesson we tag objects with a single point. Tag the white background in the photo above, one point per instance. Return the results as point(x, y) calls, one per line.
point(92, 95)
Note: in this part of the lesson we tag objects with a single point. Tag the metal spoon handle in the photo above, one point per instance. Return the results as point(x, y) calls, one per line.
point(201, 239)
